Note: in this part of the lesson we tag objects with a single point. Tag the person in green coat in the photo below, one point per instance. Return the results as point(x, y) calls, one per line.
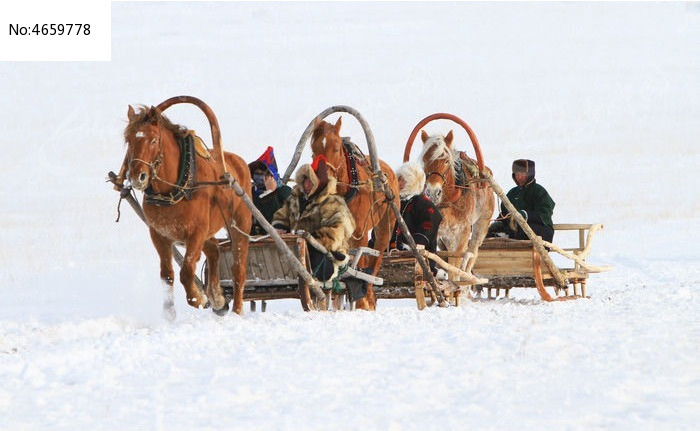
point(269, 194)
point(531, 200)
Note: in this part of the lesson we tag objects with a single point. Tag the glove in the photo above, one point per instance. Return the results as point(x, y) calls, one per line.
point(338, 256)
point(524, 214)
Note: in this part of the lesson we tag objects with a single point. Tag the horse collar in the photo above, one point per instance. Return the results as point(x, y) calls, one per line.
point(352, 170)
point(185, 177)
point(460, 175)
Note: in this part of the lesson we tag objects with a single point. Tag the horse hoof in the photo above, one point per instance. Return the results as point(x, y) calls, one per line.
point(202, 303)
point(221, 311)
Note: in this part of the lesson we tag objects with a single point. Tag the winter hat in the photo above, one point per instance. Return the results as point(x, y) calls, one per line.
point(524, 165)
point(266, 162)
point(317, 172)
point(414, 177)
point(321, 170)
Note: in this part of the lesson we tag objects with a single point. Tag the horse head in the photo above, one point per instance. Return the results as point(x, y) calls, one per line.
point(438, 163)
point(146, 135)
point(326, 140)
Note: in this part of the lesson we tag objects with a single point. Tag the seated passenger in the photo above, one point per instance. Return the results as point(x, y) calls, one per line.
point(269, 193)
point(418, 211)
point(315, 208)
point(531, 200)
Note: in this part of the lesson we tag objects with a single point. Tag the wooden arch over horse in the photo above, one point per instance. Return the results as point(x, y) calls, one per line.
point(456, 184)
point(370, 186)
point(187, 199)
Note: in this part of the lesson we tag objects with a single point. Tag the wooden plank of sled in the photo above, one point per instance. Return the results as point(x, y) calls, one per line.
point(571, 226)
point(276, 265)
point(515, 254)
point(420, 287)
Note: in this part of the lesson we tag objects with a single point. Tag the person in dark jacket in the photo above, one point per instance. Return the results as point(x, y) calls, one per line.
point(418, 211)
point(269, 194)
point(531, 200)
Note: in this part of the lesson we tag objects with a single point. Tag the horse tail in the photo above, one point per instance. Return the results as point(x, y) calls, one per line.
point(213, 122)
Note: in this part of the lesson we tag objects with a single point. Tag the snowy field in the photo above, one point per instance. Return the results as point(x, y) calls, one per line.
point(604, 97)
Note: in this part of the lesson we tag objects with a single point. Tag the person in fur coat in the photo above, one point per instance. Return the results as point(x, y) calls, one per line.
point(315, 207)
point(418, 211)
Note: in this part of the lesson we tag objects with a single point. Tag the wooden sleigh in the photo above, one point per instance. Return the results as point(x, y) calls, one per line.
point(270, 275)
point(509, 263)
point(506, 263)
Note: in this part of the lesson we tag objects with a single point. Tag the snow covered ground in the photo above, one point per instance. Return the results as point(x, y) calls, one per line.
point(603, 96)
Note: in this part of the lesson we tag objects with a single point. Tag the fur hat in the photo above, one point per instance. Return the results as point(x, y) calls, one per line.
point(317, 172)
point(414, 177)
point(524, 165)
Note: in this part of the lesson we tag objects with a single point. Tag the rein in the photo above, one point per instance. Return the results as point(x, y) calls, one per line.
point(465, 173)
point(351, 170)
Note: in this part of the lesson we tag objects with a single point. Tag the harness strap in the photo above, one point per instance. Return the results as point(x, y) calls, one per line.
point(352, 170)
point(460, 175)
point(185, 178)
point(466, 172)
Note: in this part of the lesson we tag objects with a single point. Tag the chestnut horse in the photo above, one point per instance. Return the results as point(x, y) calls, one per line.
point(466, 205)
point(191, 213)
point(369, 207)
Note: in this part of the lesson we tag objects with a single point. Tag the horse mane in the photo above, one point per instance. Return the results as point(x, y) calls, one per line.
point(441, 151)
point(152, 115)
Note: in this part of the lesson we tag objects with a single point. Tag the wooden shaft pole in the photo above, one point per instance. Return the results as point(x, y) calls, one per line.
point(427, 273)
point(279, 242)
point(580, 261)
point(126, 195)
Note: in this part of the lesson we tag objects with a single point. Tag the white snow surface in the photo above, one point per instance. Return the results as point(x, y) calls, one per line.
point(604, 97)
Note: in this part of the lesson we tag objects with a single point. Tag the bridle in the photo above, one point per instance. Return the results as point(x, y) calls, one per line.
point(439, 174)
point(186, 179)
point(154, 166)
point(452, 192)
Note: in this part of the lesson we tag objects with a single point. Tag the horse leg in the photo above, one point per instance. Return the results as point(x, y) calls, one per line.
point(382, 236)
point(239, 247)
point(479, 231)
point(214, 293)
point(193, 252)
point(164, 247)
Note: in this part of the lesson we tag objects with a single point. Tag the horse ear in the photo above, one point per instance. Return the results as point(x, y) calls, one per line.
point(317, 121)
point(130, 114)
point(423, 136)
point(153, 114)
point(338, 124)
point(448, 139)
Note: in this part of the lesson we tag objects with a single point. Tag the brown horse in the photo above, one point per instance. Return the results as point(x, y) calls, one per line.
point(466, 204)
point(189, 213)
point(369, 207)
